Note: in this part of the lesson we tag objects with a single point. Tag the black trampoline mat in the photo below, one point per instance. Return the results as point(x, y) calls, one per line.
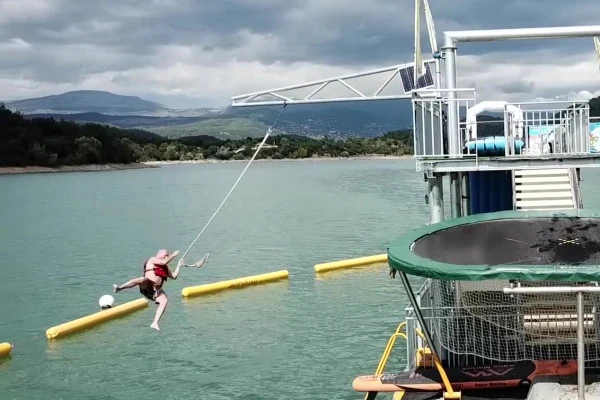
point(527, 241)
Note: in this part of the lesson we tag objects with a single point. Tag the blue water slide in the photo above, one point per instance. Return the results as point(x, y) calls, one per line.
point(492, 146)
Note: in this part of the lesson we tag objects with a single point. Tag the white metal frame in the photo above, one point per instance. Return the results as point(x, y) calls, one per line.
point(597, 45)
point(432, 39)
point(452, 38)
point(256, 98)
point(571, 127)
point(428, 125)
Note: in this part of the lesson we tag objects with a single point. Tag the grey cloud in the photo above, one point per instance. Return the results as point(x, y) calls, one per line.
point(83, 37)
point(521, 86)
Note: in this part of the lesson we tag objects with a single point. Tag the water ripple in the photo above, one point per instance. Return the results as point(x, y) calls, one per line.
point(69, 237)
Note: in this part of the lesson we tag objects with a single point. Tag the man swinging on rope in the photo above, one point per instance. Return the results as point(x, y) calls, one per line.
point(155, 273)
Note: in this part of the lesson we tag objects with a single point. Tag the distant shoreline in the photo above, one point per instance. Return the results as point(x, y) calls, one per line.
point(156, 164)
point(34, 169)
point(215, 161)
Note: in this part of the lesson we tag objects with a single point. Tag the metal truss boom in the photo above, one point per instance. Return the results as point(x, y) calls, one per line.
point(386, 75)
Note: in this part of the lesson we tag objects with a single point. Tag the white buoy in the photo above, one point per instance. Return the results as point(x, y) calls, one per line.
point(106, 301)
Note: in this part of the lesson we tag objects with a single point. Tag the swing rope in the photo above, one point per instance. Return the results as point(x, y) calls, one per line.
point(236, 182)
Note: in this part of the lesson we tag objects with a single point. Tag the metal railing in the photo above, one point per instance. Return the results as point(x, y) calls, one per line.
point(414, 342)
point(447, 323)
point(387, 351)
point(521, 129)
point(595, 134)
point(575, 178)
point(579, 291)
point(430, 121)
point(585, 320)
point(557, 127)
point(390, 345)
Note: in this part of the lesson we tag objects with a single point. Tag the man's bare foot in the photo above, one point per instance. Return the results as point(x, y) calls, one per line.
point(155, 326)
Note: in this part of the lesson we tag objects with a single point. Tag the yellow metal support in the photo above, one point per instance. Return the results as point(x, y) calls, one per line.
point(386, 354)
point(388, 348)
point(449, 393)
point(424, 358)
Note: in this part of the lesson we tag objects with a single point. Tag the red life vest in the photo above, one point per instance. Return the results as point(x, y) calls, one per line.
point(159, 270)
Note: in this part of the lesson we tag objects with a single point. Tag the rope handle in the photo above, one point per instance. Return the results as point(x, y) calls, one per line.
point(197, 264)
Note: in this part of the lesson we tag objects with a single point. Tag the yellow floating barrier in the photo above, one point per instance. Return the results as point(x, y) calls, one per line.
point(351, 263)
point(95, 319)
point(5, 349)
point(239, 283)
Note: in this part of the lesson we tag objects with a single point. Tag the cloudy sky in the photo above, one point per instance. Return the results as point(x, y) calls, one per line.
point(196, 53)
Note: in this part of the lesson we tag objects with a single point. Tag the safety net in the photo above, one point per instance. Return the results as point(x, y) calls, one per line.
point(471, 260)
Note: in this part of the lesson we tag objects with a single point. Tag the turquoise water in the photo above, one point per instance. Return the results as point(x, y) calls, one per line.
point(66, 238)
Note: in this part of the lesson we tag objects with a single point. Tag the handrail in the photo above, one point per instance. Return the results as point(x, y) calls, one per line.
point(388, 348)
point(436, 360)
point(386, 353)
point(574, 180)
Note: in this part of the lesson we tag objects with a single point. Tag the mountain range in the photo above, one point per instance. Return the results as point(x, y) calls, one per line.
point(349, 119)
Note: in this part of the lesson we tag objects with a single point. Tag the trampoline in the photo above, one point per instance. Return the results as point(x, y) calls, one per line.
point(504, 289)
point(524, 245)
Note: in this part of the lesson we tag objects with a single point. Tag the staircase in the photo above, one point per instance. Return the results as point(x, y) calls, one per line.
point(546, 189)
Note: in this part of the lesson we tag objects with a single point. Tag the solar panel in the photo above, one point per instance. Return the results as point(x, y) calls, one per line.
point(408, 78)
point(427, 79)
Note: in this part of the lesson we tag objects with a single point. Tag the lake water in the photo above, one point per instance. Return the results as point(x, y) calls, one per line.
point(66, 238)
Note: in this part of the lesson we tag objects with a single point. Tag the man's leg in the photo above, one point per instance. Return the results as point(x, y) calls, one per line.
point(128, 284)
point(162, 301)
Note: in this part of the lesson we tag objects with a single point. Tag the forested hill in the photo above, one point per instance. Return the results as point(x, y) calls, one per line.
point(47, 142)
point(340, 120)
point(595, 107)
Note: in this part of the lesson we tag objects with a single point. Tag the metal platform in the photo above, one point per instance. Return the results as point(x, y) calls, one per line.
point(530, 135)
point(446, 165)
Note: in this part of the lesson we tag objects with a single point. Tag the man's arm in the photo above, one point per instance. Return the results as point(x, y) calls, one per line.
point(181, 263)
point(158, 261)
point(174, 275)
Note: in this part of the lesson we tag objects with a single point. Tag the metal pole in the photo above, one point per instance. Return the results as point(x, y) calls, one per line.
point(455, 192)
point(465, 194)
point(418, 314)
point(489, 35)
point(555, 289)
point(449, 51)
point(435, 195)
point(508, 121)
point(438, 78)
point(580, 349)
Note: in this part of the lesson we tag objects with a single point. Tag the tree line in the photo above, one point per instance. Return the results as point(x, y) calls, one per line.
point(48, 142)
